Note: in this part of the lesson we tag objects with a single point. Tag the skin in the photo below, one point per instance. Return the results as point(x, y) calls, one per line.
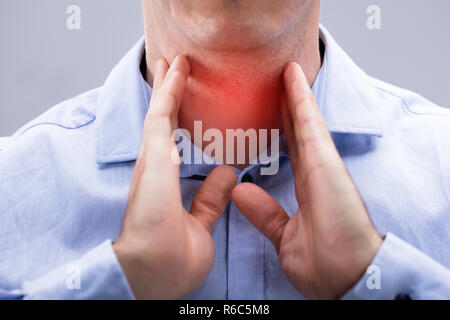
point(166, 252)
point(237, 51)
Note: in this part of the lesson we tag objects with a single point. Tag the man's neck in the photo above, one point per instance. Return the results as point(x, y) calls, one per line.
point(232, 90)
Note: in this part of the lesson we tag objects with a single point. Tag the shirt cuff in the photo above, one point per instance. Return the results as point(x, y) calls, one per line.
point(401, 271)
point(97, 275)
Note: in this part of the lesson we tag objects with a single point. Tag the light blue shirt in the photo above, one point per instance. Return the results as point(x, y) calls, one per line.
point(65, 178)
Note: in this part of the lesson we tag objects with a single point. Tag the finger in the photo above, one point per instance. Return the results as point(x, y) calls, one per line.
point(158, 153)
point(180, 64)
point(161, 69)
point(311, 136)
point(213, 196)
point(262, 210)
point(288, 132)
point(164, 109)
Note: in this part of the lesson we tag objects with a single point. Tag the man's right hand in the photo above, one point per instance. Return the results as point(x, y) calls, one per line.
point(166, 252)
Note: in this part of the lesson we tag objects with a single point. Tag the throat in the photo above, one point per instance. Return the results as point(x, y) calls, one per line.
point(232, 99)
point(227, 101)
point(232, 91)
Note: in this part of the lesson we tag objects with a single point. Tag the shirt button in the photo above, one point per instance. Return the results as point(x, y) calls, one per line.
point(247, 178)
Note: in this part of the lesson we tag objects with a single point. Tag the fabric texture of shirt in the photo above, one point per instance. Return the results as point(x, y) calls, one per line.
point(65, 179)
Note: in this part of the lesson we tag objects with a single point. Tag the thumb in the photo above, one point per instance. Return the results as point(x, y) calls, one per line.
point(262, 210)
point(213, 196)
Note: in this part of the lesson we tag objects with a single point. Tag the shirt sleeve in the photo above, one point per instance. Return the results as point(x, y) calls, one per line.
point(96, 275)
point(400, 271)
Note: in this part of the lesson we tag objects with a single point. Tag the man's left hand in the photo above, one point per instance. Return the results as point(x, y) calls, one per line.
point(325, 248)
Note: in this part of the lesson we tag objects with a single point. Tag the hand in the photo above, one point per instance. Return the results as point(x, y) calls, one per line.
point(165, 252)
point(325, 248)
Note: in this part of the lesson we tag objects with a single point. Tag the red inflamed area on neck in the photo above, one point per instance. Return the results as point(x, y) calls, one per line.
point(232, 99)
point(226, 102)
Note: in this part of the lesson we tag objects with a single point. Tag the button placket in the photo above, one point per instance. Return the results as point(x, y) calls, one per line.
point(245, 252)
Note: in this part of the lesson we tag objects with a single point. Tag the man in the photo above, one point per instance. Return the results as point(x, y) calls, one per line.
point(95, 205)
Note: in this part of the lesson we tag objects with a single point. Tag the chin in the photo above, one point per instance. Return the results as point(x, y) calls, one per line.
point(226, 25)
point(232, 36)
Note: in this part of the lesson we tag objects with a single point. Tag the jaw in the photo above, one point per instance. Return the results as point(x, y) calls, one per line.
point(237, 25)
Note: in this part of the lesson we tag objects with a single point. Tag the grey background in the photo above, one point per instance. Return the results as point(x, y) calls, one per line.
point(43, 63)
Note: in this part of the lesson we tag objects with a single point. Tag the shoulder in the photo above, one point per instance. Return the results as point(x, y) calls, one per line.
point(65, 118)
point(406, 110)
point(412, 103)
point(43, 169)
point(402, 109)
point(71, 114)
point(64, 132)
point(419, 127)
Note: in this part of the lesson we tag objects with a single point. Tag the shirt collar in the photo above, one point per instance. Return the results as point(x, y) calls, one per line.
point(344, 93)
point(121, 109)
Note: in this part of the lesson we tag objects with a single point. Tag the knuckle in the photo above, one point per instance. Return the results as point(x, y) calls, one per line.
point(311, 132)
point(157, 143)
point(158, 124)
point(307, 135)
point(177, 73)
point(172, 102)
point(309, 121)
point(157, 114)
point(305, 101)
point(163, 106)
point(311, 172)
point(272, 223)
